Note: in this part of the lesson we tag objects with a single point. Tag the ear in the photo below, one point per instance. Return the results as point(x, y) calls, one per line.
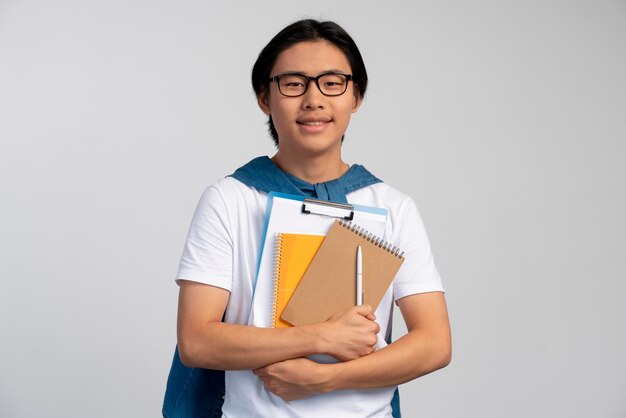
point(263, 100)
point(357, 99)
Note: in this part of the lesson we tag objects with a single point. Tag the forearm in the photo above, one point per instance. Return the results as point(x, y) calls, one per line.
point(223, 346)
point(205, 341)
point(426, 348)
point(414, 355)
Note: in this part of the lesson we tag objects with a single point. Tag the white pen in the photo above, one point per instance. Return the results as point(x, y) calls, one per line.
point(359, 276)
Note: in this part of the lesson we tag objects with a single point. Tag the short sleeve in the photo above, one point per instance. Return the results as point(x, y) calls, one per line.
point(418, 273)
point(208, 253)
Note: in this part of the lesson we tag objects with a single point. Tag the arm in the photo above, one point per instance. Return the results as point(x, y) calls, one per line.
point(425, 348)
point(205, 341)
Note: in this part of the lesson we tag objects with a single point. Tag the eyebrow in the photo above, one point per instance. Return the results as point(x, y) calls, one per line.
point(303, 73)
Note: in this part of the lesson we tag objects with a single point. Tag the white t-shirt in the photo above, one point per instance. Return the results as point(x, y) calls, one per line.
point(222, 250)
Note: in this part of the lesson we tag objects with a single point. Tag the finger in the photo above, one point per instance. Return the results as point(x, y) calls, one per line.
point(260, 371)
point(376, 327)
point(364, 310)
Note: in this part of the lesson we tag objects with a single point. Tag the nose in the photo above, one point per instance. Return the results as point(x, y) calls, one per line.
point(313, 97)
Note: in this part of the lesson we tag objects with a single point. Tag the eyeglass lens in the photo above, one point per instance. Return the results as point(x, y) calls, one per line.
point(296, 85)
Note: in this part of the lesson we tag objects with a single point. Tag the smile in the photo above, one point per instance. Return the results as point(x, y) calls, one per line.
point(312, 123)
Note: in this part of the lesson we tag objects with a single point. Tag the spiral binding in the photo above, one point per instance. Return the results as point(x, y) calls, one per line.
point(278, 249)
point(368, 236)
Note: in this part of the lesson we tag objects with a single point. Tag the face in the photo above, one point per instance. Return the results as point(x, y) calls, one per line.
point(311, 123)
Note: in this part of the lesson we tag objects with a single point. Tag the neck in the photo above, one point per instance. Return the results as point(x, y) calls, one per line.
point(314, 169)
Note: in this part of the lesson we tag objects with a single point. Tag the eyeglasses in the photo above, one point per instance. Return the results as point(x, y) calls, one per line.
point(330, 84)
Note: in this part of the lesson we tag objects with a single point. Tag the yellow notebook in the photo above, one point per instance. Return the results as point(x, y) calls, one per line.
point(293, 254)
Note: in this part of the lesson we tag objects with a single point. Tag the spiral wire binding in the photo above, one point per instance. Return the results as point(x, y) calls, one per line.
point(368, 236)
point(278, 249)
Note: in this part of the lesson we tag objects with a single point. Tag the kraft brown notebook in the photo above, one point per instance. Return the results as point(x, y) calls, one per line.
point(329, 284)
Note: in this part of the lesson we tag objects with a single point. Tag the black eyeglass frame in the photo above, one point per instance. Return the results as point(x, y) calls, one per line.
point(277, 78)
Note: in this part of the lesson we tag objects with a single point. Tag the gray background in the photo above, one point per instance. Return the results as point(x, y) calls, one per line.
point(505, 121)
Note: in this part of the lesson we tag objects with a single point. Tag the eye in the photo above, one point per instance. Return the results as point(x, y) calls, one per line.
point(292, 81)
point(333, 82)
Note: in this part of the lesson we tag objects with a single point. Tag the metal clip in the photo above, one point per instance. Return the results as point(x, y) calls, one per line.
point(325, 208)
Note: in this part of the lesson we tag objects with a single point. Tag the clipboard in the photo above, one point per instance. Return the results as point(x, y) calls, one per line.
point(287, 213)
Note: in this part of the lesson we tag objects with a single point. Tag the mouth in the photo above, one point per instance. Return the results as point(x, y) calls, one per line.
point(313, 126)
point(318, 121)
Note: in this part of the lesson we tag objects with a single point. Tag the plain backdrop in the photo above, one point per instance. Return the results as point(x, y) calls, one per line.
point(504, 120)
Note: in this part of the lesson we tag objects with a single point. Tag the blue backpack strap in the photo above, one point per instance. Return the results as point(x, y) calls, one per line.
point(193, 393)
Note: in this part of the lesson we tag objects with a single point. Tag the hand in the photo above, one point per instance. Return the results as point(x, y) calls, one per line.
point(350, 333)
point(295, 379)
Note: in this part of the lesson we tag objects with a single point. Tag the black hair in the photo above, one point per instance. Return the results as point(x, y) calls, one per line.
point(301, 31)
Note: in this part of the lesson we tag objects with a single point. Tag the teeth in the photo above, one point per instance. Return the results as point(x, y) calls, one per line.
point(312, 123)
